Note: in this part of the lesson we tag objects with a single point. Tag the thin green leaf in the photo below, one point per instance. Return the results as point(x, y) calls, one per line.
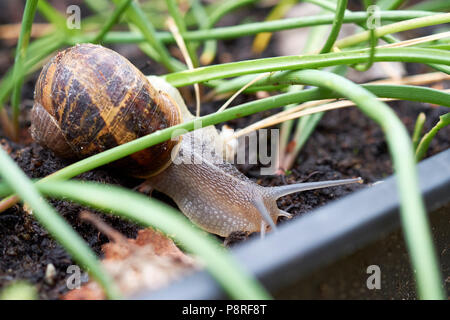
point(246, 29)
point(418, 128)
point(337, 23)
point(22, 44)
point(414, 220)
point(420, 55)
point(427, 138)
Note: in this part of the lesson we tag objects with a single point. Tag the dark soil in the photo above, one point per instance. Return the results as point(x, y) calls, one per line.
point(346, 144)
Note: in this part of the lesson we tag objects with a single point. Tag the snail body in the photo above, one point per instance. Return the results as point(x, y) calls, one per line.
point(89, 99)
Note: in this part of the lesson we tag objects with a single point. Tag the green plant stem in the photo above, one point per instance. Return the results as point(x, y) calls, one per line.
point(148, 212)
point(112, 20)
point(426, 140)
point(418, 128)
point(54, 224)
point(420, 55)
point(241, 30)
point(401, 92)
point(22, 44)
point(337, 23)
point(395, 27)
point(52, 15)
point(413, 216)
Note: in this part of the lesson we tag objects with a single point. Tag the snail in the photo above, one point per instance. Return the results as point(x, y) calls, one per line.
point(89, 99)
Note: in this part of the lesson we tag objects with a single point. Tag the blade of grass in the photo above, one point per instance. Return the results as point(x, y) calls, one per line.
point(414, 219)
point(418, 128)
point(394, 28)
point(305, 127)
point(332, 7)
point(262, 39)
point(380, 88)
point(422, 148)
point(22, 44)
point(420, 55)
point(246, 29)
point(54, 223)
point(179, 21)
point(420, 40)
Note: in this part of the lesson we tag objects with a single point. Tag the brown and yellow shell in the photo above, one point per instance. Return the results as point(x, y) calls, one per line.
point(89, 99)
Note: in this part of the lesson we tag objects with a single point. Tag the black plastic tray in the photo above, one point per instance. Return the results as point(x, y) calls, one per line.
point(313, 240)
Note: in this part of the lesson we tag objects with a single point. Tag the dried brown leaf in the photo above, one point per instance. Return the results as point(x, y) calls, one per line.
point(148, 262)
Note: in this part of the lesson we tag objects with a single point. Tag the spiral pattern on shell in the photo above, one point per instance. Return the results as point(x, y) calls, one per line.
point(89, 99)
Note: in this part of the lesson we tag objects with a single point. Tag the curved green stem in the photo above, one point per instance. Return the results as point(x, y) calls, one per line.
point(395, 27)
point(414, 220)
point(420, 55)
point(337, 23)
point(22, 44)
point(112, 20)
point(422, 148)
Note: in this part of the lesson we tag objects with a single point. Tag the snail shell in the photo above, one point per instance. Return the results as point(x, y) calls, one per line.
point(89, 99)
